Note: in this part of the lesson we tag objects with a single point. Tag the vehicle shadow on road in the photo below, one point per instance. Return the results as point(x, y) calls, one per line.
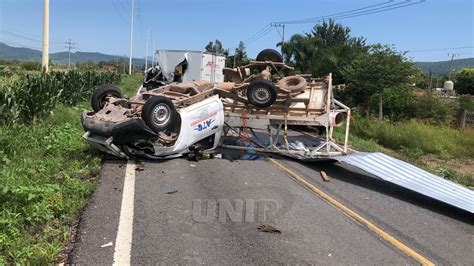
point(343, 173)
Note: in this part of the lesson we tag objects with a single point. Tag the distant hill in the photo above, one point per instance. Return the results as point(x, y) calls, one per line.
point(18, 53)
point(10, 52)
point(442, 67)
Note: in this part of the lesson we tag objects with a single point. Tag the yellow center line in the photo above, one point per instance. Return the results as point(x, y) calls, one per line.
point(346, 210)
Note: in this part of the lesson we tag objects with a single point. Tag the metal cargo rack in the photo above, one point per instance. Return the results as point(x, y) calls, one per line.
point(309, 108)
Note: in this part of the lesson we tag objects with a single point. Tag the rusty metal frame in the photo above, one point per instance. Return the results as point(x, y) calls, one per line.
point(279, 118)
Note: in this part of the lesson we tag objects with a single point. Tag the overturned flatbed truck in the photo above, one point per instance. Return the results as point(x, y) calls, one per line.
point(315, 107)
point(278, 130)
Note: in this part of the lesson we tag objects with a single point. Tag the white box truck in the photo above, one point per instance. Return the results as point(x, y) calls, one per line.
point(191, 65)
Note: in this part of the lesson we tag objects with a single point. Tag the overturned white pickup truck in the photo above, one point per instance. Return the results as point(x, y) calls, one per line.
point(156, 124)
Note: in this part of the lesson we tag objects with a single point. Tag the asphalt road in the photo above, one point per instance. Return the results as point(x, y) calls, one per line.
point(207, 212)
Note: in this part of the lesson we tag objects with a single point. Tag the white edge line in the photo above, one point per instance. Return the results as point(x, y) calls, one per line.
point(123, 242)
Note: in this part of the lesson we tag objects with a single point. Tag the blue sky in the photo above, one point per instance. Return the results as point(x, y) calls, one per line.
point(103, 25)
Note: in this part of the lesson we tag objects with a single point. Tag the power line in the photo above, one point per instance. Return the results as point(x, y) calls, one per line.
point(124, 8)
point(335, 14)
point(17, 34)
point(371, 9)
point(441, 49)
point(379, 11)
point(118, 12)
point(258, 32)
point(259, 36)
point(256, 36)
point(351, 14)
point(19, 45)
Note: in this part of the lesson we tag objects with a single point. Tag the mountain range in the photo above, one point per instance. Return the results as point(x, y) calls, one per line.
point(18, 53)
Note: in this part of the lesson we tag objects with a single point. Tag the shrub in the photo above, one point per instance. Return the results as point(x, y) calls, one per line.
point(33, 96)
point(415, 138)
point(397, 102)
point(433, 109)
point(45, 178)
point(466, 102)
point(28, 98)
point(465, 81)
point(31, 65)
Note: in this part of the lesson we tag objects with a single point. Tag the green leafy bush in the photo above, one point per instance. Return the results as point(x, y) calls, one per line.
point(31, 65)
point(397, 102)
point(33, 96)
point(414, 138)
point(466, 102)
point(433, 109)
point(465, 81)
point(46, 175)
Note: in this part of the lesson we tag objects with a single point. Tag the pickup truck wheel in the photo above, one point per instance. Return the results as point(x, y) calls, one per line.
point(159, 114)
point(261, 93)
point(100, 95)
point(270, 55)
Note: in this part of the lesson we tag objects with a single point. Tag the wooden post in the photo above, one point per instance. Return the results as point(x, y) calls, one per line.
point(380, 108)
point(462, 119)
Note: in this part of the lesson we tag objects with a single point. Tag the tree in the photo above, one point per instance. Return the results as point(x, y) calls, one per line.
point(371, 73)
point(433, 109)
point(327, 48)
point(239, 58)
point(398, 102)
point(216, 47)
point(465, 81)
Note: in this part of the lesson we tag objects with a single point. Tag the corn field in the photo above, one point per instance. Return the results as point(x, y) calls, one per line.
point(33, 96)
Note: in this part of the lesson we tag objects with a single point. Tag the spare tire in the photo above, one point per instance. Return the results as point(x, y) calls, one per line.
point(99, 96)
point(261, 93)
point(160, 114)
point(270, 55)
point(292, 83)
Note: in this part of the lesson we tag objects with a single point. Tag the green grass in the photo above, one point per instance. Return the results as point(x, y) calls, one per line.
point(130, 84)
point(417, 137)
point(47, 173)
point(412, 141)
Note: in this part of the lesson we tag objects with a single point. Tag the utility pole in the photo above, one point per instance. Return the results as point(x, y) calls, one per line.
point(117, 64)
point(146, 51)
point(153, 61)
point(235, 53)
point(451, 64)
point(131, 39)
point(45, 55)
point(282, 34)
point(124, 62)
point(430, 84)
point(70, 45)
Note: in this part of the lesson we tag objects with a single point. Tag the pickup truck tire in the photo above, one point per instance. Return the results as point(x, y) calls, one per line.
point(270, 55)
point(261, 93)
point(99, 96)
point(292, 83)
point(159, 114)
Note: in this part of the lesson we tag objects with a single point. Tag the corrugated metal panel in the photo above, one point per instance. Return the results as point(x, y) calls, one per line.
point(413, 178)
